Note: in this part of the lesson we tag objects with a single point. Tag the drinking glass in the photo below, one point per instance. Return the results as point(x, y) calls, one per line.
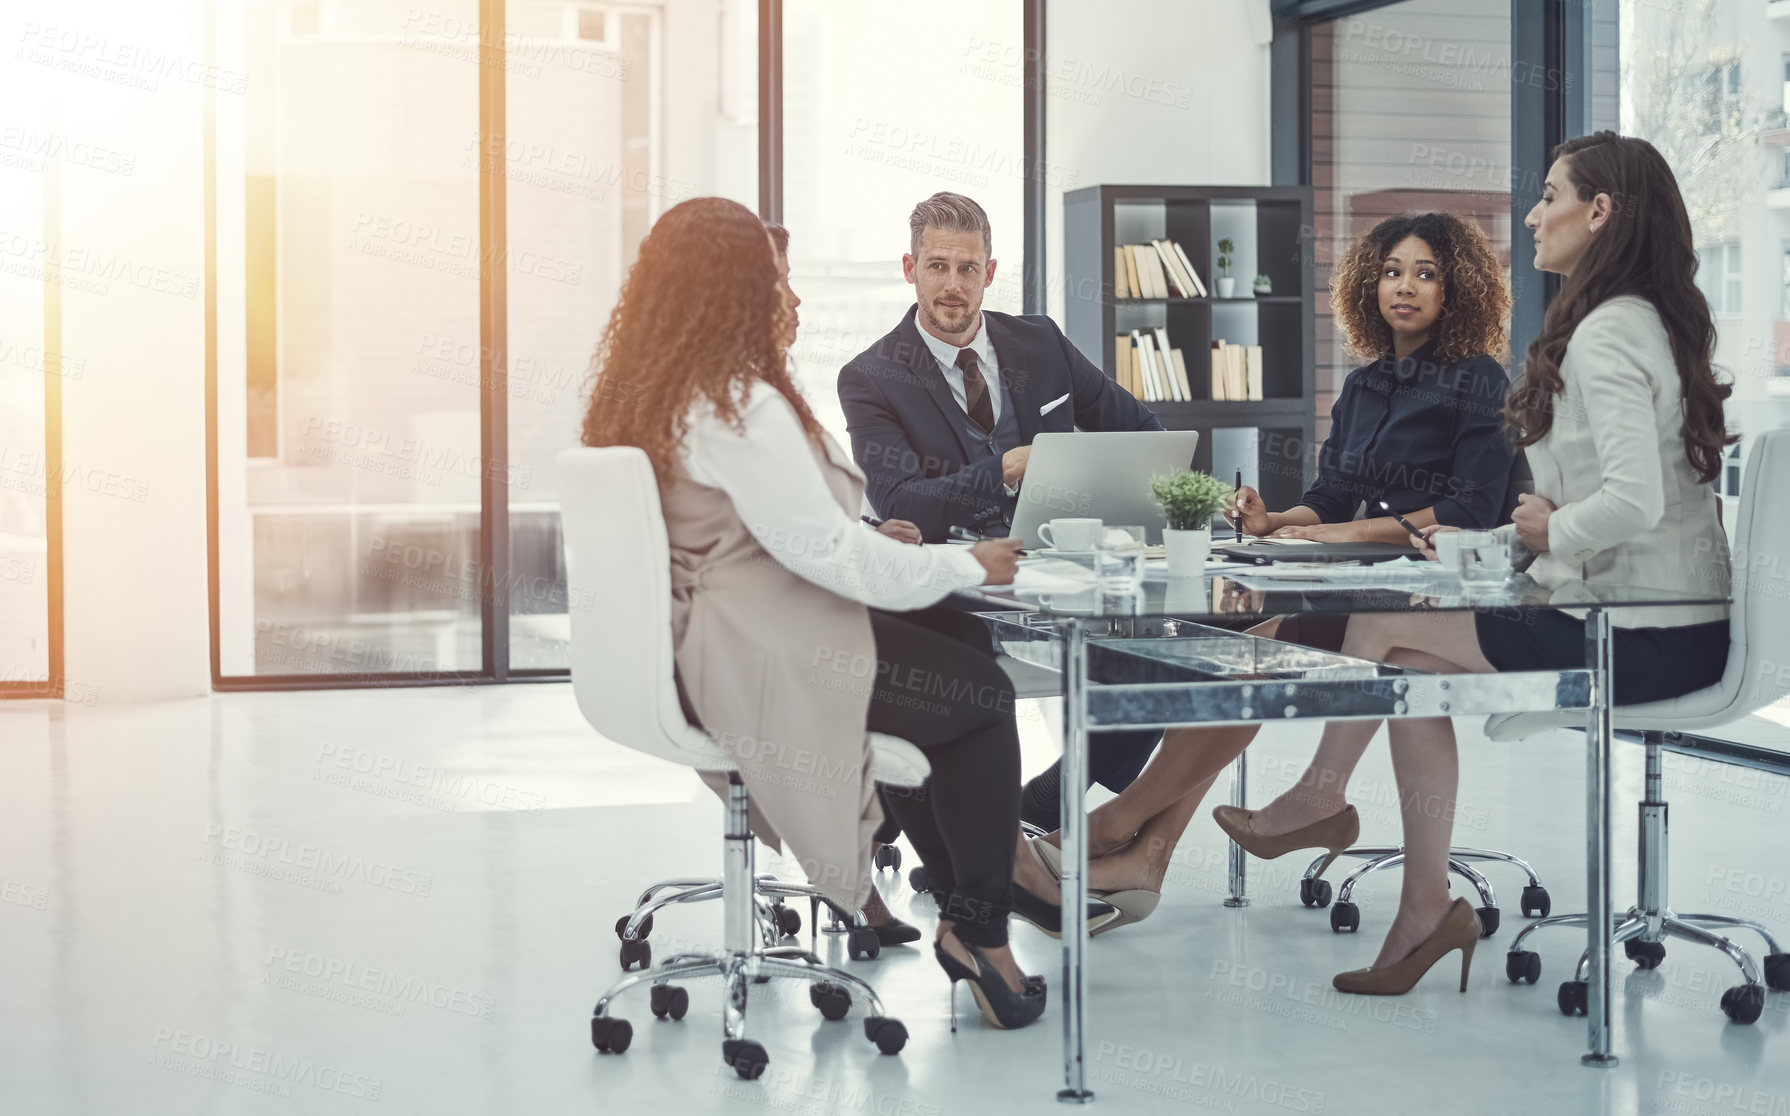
point(1119, 559)
point(1485, 559)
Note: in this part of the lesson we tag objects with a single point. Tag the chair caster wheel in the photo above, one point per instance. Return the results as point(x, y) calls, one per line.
point(832, 1000)
point(1536, 903)
point(747, 1058)
point(621, 928)
point(1314, 893)
point(1521, 967)
point(1488, 921)
point(637, 952)
point(862, 944)
point(669, 999)
point(1744, 1002)
point(888, 856)
point(1777, 971)
point(1345, 917)
point(787, 919)
point(1645, 955)
point(610, 1035)
point(1574, 997)
point(918, 880)
point(888, 1034)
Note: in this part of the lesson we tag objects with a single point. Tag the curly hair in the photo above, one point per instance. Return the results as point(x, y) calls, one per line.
point(1475, 299)
point(1645, 249)
point(698, 317)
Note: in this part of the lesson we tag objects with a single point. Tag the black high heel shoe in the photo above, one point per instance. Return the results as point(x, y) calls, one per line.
point(1048, 916)
point(1001, 1006)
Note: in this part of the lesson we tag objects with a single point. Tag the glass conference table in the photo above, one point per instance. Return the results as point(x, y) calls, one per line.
point(1172, 653)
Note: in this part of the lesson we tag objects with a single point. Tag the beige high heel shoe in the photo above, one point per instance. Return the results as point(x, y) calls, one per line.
point(1334, 833)
point(1132, 904)
point(1459, 930)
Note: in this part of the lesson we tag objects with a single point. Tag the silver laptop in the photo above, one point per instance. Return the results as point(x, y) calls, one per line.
point(1102, 475)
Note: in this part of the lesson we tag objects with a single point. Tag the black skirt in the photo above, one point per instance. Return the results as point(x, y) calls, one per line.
point(1647, 664)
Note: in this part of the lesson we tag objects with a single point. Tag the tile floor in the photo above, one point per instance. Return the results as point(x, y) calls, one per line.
point(401, 901)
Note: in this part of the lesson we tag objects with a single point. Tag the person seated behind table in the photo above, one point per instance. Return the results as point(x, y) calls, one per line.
point(943, 409)
point(1419, 426)
point(1622, 414)
point(771, 573)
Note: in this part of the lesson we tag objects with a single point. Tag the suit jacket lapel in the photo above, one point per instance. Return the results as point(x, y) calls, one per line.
point(1015, 375)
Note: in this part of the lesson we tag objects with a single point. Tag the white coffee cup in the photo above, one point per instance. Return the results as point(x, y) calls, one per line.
point(1071, 534)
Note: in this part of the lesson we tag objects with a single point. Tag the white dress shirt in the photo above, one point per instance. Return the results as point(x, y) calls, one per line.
point(768, 470)
point(946, 354)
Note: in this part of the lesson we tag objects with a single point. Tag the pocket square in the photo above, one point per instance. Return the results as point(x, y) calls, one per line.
point(1053, 404)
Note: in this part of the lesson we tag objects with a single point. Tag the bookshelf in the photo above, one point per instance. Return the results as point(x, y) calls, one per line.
point(1270, 438)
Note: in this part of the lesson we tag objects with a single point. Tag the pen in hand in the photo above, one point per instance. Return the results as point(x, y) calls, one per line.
point(1235, 488)
point(1402, 521)
point(964, 534)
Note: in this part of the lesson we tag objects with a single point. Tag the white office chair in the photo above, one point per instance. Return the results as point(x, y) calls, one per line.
point(618, 572)
point(1759, 644)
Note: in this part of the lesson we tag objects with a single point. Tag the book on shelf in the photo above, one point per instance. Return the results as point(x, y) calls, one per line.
point(1158, 269)
point(1236, 372)
point(1187, 264)
point(1181, 375)
point(1165, 366)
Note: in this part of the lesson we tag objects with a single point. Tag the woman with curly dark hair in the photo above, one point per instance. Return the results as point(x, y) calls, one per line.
point(779, 654)
point(1419, 427)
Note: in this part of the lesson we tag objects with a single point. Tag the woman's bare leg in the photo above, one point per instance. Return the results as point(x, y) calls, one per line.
point(1447, 637)
point(1144, 862)
point(1427, 766)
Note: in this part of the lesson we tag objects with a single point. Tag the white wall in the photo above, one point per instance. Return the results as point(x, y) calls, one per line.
point(133, 308)
point(1141, 91)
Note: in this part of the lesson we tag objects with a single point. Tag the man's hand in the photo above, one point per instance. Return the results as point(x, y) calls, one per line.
point(1248, 508)
point(1013, 465)
point(900, 530)
point(1531, 519)
point(1000, 557)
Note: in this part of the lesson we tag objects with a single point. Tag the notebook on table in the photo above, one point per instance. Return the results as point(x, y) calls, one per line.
point(1262, 552)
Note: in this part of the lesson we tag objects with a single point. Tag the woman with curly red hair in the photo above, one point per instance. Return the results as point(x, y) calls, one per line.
point(786, 630)
point(1418, 426)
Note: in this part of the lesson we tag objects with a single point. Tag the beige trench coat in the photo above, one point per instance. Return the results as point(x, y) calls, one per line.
point(755, 645)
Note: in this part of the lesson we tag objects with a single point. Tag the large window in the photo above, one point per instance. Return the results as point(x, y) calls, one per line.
point(355, 442)
point(27, 364)
point(1729, 149)
point(869, 132)
point(1410, 111)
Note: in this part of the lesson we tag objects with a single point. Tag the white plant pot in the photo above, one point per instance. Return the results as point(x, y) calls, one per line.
point(1227, 288)
point(1187, 551)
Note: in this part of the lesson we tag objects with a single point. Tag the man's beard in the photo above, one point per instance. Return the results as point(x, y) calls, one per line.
point(942, 326)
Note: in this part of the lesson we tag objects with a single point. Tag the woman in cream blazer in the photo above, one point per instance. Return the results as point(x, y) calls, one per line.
point(1622, 417)
point(786, 622)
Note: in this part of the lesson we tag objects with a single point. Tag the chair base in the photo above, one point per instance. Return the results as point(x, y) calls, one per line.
point(752, 926)
point(1642, 932)
point(1345, 916)
point(830, 990)
point(776, 920)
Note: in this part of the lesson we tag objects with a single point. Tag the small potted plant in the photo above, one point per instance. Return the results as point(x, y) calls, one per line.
point(1264, 286)
point(1226, 285)
point(1188, 500)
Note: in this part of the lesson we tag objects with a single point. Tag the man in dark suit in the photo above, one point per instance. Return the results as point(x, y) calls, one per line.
point(942, 412)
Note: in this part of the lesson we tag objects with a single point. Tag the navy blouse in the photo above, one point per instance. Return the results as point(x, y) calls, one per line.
point(1417, 433)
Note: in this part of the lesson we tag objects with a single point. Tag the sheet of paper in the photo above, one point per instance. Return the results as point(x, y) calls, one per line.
point(1048, 575)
